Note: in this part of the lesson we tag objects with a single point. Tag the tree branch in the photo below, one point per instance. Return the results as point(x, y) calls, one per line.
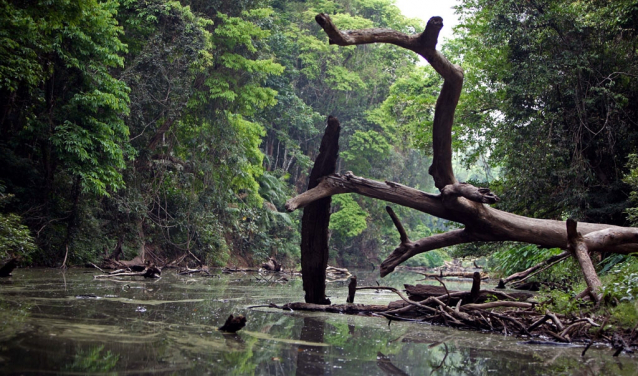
point(410, 249)
point(578, 247)
point(423, 44)
point(403, 235)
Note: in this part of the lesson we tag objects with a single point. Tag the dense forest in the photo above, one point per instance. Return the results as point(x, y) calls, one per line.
point(161, 128)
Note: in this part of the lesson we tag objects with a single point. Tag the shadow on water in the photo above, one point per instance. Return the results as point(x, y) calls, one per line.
point(68, 323)
point(310, 360)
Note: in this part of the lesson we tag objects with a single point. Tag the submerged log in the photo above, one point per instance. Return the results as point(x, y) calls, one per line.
point(315, 220)
point(335, 308)
point(422, 292)
point(233, 324)
point(6, 270)
point(150, 271)
point(271, 265)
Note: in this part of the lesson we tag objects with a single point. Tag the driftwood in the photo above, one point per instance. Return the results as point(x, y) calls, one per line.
point(150, 271)
point(7, 268)
point(272, 265)
point(442, 274)
point(188, 271)
point(233, 324)
point(227, 270)
point(423, 292)
point(457, 202)
point(505, 315)
point(541, 266)
point(315, 220)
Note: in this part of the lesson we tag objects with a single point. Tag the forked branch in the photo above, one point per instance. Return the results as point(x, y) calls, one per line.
point(423, 44)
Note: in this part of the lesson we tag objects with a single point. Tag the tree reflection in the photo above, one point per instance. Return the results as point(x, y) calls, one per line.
point(310, 359)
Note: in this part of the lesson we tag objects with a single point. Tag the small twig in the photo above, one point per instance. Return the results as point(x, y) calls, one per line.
point(400, 295)
point(97, 267)
point(271, 305)
point(446, 290)
point(556, 321)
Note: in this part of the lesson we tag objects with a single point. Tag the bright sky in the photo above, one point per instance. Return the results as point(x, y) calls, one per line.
point(425, 9)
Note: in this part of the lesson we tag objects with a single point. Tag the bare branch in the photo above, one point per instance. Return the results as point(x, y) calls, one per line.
point(425, 45)
point(410, 249)
point(398, 225)
point(388, 191)
point(526, 273)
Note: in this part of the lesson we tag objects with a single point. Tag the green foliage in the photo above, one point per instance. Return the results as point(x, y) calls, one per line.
point(545, 100)
point(68, 49)
point(94, 360)
point(409, 107)
point(431, 259)
point(349, 219)
point(365, 148)
point(625, 314)
point(15, 238)
point(631, 178)
point(515, 257)
point(621, 282)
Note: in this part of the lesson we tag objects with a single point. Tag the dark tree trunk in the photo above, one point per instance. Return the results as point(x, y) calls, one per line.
point(315, 220)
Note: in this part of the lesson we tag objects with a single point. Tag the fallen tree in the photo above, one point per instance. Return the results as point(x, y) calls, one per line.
point(511, 317)
point(457, 201)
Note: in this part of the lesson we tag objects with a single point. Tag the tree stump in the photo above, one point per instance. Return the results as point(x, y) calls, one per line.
point(315, 220)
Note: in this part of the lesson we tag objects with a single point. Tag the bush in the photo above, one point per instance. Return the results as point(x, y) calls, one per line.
point(431, 259)
point(15, 238)
point(516, 257)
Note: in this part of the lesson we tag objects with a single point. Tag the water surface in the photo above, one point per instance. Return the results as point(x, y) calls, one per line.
point(68, 323)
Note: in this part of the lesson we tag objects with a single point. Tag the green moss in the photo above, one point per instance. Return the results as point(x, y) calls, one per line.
point(625, 314)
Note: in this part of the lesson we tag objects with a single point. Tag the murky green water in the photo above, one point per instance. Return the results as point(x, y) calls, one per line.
point(69, 323)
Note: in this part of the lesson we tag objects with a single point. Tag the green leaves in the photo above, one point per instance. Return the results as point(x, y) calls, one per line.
point(631, 178)
point(349, 219)
point(543, 100)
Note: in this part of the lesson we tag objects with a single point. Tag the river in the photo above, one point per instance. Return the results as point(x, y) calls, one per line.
point(55, 322)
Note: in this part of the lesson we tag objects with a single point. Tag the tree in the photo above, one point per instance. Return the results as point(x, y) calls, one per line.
point(62, 136)
point(549, 96)
point(458, 202)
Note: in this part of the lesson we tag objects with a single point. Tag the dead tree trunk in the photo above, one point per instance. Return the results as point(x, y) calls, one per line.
point(459, 202)
point(315, 220)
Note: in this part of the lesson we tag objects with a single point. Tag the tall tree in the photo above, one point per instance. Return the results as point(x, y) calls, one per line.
point(550, 94)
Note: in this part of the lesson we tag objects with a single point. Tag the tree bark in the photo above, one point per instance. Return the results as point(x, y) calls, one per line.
point(315, 220)
point(352, 289)
point(578, 247)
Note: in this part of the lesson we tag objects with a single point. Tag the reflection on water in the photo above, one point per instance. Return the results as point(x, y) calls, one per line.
point(67, 323)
